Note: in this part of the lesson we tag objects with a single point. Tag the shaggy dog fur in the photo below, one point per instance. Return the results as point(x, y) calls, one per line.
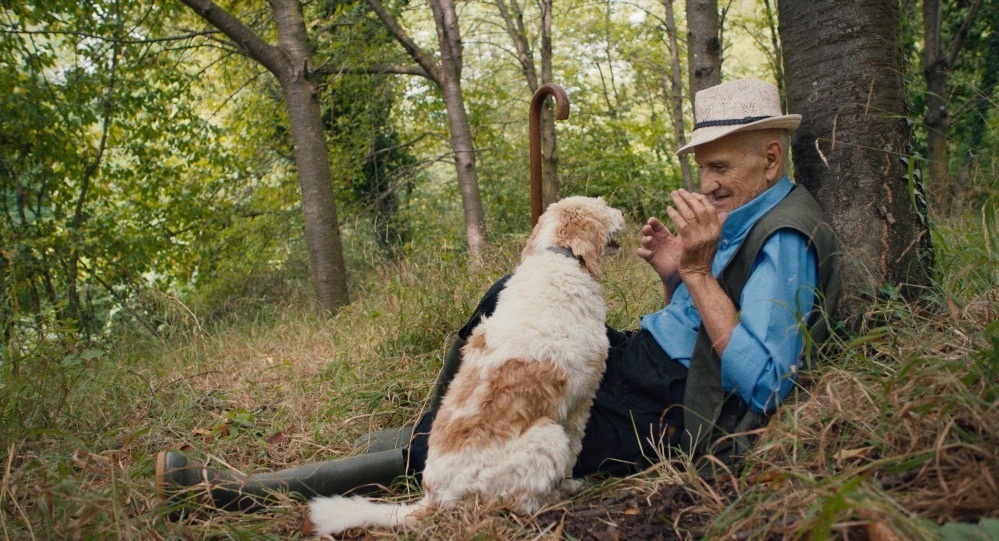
point(511, 423)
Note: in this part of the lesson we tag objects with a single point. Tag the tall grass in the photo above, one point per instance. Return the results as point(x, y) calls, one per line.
point(895, 432)
point(281, 386)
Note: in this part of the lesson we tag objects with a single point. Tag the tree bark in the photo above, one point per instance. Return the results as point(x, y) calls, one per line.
point(778, 58)
point(935, 73)
point(676, 94)
point(843, 68)
point(449, 40)
point(703, 45)
point(464, 162)
point(446, 74)
point(513, 20)
point(937, 64)
point(291, 63)
point(550, 191)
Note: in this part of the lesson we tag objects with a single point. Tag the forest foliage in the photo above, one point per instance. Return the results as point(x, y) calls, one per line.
point(146, 162)
point(148, 190)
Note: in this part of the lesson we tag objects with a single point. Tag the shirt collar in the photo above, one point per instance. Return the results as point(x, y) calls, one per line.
point(742, 219)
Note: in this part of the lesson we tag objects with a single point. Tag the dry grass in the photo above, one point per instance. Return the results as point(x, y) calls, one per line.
point(895, 435)
point(897, 431)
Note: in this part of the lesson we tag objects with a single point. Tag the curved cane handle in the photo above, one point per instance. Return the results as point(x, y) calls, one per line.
point(534, 121)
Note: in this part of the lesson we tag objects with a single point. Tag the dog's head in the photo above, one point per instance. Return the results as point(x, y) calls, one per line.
point(584, 225)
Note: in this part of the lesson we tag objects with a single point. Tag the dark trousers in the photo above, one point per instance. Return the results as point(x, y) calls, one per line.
point(636, 412)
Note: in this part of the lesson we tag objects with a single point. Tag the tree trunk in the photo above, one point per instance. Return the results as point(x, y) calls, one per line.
point(936, 118)
point(982, 103)
point(937, 63)
point(843, 68)
point(550, 191)
point(291, 63)
point(449, 39)
point(447, 75)
point(322, 231)
point(676, 94)
point(513, 19)
point(703, 45)
point(464, 163)
point(778, 55)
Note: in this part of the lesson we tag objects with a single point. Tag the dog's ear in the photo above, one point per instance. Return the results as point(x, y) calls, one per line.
point(582, 232)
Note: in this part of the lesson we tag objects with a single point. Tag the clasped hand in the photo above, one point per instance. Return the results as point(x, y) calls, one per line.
point(692, 249)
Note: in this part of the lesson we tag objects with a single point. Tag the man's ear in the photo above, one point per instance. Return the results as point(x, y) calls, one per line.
point(774, 154)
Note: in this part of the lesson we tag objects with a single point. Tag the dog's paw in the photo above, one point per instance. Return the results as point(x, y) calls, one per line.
point(570, 487)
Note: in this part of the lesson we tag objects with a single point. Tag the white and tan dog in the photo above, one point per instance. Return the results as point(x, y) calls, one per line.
point(511, 423)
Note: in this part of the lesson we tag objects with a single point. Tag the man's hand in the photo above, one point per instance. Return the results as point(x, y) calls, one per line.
point(698, 227)
point(662, 249)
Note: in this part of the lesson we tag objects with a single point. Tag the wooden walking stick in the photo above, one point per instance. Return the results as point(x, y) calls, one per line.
point(534, 124)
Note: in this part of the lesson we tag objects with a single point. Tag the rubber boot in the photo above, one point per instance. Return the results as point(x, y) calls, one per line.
point(179, 480)
point(389, 438)
point(394, 438)
point(452, 361)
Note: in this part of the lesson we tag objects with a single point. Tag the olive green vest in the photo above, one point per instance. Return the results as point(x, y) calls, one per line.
point(711, 414)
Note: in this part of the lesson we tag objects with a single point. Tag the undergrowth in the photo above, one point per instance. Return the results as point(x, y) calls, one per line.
point(893, 434)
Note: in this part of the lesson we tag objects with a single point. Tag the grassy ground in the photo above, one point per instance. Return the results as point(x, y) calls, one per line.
point(895, 433)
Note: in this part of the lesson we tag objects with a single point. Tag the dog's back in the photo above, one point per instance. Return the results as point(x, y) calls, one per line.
point(511, 423)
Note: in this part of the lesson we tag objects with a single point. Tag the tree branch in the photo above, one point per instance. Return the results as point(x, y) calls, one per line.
point(375, 70)
point(12, 30)
point(518, 35)
point(419, 55)
point(957, 43)
point(375, 153)
point(448, 34)
point(91, 169)
point(258, 49)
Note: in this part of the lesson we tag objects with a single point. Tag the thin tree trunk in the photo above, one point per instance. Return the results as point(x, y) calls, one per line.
point(322, 231)
point(550, 191)
point(937, 64)
point(74, 308)
point(778, 58)
point(513, 19)
point(291, 63)
point(676, 93)
point(449, 39)
point(982, 102)
point(464, 162)
point(447, 75)
point(703, 45)
point(843, 67)
point(936, 118)
point(608, 83)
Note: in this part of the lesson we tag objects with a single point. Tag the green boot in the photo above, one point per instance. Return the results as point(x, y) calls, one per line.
point(178, 480)
point(452, 361)
point(394, 438)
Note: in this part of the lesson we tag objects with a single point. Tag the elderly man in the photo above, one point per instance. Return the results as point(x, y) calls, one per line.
point(750, 271)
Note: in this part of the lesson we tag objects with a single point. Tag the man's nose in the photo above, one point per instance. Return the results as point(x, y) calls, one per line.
point(708, 184)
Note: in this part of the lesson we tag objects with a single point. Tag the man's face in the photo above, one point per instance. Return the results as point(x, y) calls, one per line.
point(736, 168)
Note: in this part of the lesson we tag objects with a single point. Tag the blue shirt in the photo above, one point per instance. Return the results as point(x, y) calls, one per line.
point(766, 345)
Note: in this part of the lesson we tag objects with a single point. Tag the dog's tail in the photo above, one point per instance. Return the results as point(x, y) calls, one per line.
point(338, 514)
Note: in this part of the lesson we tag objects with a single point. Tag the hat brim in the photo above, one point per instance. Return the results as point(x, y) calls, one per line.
point(711, 133)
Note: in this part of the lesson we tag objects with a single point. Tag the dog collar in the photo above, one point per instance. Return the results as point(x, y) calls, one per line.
point(562, 250)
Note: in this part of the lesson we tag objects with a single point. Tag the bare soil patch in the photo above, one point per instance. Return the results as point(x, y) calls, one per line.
point(667, 512)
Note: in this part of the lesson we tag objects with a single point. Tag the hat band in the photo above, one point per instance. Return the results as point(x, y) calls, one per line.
point(729, 122)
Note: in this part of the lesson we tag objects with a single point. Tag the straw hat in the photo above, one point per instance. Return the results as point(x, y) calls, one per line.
point(736, 106)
